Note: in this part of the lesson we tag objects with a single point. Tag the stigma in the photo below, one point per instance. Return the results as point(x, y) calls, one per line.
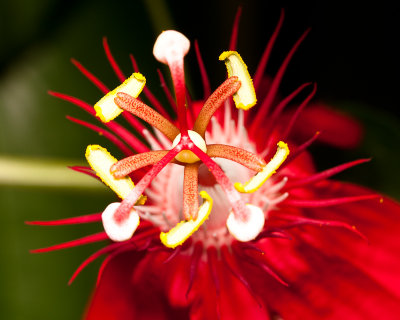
point(197, 160)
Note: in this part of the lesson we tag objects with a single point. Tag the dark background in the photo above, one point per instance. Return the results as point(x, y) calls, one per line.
point(351, 53)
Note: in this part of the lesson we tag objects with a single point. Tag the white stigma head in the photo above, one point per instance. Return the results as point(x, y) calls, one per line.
point(123, 230)
point(188, 156)
point(246, 230)
point(170, 45)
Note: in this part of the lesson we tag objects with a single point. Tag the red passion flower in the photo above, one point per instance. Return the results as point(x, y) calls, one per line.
point(222, 214)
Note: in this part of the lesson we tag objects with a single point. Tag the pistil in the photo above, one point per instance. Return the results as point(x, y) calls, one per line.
point(170, 48)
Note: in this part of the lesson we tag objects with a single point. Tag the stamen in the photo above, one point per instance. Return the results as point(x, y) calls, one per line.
point(245, 97)
point(298, 111)
point(273, 90)
point(329, 202)
point(108, 135)
point(101, 161)
point(223, 92)
point(233, 267)
point(203, 72)
point(127, 165)
point(196, 255)
point(235, 30)
point(241, 156)
point(263, 264)
point(170, 48)
point(106, 109)
point(119, 230)
point(85, 170)
point(113, 63)
point(74, 243)
point(93, 257)
point(324, 174)
point(126, 136)
point(246, 230)
point(300, 149)
point(92, 78)
point(258, 180)
point(149, 95)
point(296, 221)
point(267, 52)
point(190, 191)
point(273, 120)
point(89, 218)
point(166, 90)
point(143, 111)
point(184, 229)
point(188, 156)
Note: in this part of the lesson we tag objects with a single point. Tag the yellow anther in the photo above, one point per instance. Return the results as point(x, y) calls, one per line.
point(258, 180)
point(188, 156)
point(106, 109)
point(245, 97)
point(184, 229)
point(101, 161)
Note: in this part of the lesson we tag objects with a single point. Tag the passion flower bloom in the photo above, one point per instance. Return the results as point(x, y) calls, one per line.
point(222, 214)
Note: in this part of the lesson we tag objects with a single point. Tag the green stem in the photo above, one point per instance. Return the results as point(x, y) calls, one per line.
point(43, 173)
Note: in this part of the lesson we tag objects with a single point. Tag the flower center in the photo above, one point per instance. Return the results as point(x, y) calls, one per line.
point(232, 217)
point(188, 156)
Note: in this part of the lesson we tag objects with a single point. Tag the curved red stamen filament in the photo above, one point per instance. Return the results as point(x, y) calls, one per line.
point(126, 136)
point(259, 262)
point(93, 257)
point(265, 106)
point(149, 95)
point(272, 121)
point(232, 266)
point(302, 221)
point(74, 243)
point(235, 30)
point(112, 61)
point(86, 170)
point(322, 175)
point(90, 76)
point(89, 218)
point(108, 135)
point(299, 150)
point(167, 92)
point(203, 73)
point(267, 52)
point(300, 203)
point(212, 263)
point(194, 264)
point(298, 111)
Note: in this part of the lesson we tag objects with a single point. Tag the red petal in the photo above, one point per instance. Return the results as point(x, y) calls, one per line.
point(331, 275)
point(119, 297)
point(337, 129)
